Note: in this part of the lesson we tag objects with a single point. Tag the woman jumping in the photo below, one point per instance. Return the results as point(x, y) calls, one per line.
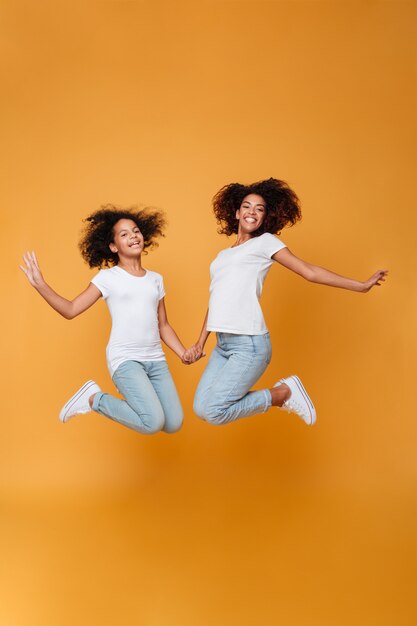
point(254, 213)
point(116, 239)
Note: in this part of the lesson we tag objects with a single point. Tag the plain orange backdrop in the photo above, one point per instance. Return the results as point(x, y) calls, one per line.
point(264, 521)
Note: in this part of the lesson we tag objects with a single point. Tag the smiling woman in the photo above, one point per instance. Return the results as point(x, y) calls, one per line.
point(114, 240)
point(255, 213)
point(272, 198)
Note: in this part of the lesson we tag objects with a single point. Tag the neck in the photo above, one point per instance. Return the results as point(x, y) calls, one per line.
point(133, 266)
point(241, 238)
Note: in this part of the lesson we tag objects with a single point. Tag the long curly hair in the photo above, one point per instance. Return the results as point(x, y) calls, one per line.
point(98, 232)
point(282, 206)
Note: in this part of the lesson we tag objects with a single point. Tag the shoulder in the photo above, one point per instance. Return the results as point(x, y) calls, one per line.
point(104, 280)
point(155, 275)
point(270, 242)
point(105, 274)
point(267, 238)
point(156, 279)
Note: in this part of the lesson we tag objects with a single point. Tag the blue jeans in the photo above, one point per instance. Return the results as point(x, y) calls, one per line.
point(151, 401)
point(236, 363)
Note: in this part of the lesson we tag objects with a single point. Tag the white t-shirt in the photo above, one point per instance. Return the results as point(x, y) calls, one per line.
point(133, 304)
point(237, 277)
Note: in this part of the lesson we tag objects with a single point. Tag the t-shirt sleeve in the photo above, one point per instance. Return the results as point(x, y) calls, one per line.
point(271, 245)
point(99, 280)
point(161, 288)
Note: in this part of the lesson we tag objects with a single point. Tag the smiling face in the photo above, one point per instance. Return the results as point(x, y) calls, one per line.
point(127, 239)
point(251, 213)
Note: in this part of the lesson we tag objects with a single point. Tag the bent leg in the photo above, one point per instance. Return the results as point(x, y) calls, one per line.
point(212, 373)
point(236, 364)
point(141, 409)
point(164, 386)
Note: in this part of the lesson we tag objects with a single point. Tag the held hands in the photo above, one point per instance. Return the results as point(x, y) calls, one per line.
point(192, 355)
point(32, 270)
point(376, 279)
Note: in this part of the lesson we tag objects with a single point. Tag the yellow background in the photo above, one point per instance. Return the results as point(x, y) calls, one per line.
point(263, 521)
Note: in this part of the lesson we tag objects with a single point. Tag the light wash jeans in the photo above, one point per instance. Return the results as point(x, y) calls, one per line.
point(151, 401)
point(236, 363)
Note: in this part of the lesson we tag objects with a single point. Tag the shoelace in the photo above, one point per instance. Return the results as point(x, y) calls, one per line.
point(294, 407)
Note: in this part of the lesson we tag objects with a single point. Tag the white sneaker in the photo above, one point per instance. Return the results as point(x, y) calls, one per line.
point(78, 404)
point(299, 401)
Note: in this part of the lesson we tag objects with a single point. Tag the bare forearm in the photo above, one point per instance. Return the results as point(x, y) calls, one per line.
point(171, 339)
point(204, 333)
point(61, 305)
point(322, 276)
point(66, 308)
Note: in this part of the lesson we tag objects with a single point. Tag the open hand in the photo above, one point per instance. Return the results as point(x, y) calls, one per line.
point(32, 270)
point(376, 279)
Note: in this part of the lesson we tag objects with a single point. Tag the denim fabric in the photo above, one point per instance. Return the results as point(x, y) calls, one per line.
point(236, 363)
point(151, 401)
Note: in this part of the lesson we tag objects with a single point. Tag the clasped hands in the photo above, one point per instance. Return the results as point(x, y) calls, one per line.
point(193, 354)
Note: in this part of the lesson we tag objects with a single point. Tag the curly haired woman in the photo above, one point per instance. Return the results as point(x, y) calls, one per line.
point(115, 239)
point(254, 213)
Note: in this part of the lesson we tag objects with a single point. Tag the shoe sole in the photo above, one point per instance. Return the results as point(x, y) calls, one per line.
point(307, 399)
point(67, 407)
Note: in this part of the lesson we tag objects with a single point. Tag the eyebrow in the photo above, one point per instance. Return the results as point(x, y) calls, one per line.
point(257, 204)
point(126, 230)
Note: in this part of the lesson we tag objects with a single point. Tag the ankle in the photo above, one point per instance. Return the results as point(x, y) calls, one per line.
point(91, 400)
point(280, 394)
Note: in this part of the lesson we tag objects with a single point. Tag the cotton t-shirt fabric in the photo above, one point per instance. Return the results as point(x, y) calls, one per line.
point(237, 277)
point(133, 304)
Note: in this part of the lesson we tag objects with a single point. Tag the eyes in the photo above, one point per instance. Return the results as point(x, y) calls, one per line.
point(136, 231)
point(259, 207)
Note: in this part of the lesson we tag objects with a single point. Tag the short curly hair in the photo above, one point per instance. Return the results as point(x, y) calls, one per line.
point(98, 232)
point(282, 206)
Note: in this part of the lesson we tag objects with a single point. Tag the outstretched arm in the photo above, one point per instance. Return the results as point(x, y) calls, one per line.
point(322, 276)
point(67, 308)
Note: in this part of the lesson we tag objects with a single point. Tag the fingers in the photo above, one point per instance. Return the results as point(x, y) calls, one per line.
point(31, 268)
point(28, 264)
point(27, 257)
point(35, 260)
point(187, 358)
point(378, 278)
point(191, 355)
point(30, 258)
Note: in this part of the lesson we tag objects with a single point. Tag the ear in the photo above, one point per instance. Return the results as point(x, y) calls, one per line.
point(113, 248)
point(237, 214)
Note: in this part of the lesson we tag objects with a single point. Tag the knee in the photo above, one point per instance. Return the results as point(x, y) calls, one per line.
point(174, 424)
point(209, 412)
point(215, 415)
point(151, 423)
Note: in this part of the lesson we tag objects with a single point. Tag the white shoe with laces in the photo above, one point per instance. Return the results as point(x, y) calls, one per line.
point(79, 404)
point(299, 401)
